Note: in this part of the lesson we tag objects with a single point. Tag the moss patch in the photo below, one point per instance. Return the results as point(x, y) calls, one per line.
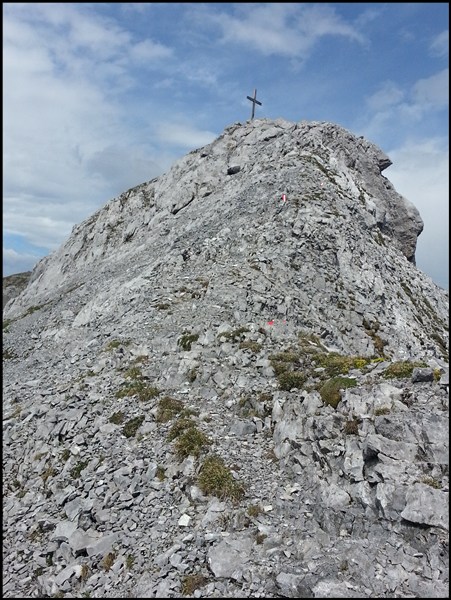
point(131, 427)
point(330, 390)
point(401, 369)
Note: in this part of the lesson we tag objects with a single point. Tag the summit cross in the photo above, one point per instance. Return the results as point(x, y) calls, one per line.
point(254, 102)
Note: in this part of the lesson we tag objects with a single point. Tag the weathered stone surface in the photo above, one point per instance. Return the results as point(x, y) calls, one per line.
point(229, 558)
point(422, 375)
point(201, 290)
point(427, 505)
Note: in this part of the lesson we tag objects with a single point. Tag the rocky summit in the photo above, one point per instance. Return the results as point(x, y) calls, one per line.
point(232, 382)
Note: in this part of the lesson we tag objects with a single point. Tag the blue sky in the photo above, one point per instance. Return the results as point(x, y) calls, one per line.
point(100, 97)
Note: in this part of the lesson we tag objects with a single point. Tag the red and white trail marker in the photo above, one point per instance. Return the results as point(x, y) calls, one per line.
point(284, 197)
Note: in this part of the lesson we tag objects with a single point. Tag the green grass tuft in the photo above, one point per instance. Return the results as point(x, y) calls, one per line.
point(117, 418)
point(168, 408)
point(78, 468)
point(401, 369)
point(138, 388)
point(191, 442)
point(351, 427)
point(191, 583)
point(217, 479)
point(179, 427)
point(291, 379)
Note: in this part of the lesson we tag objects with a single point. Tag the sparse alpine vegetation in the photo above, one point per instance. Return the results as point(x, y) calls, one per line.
point(138, 388)
point(400, 369)
point(132, 425)
point(217, 479)
point(191, 442)
point(330, 390)
point(168, 408)
point(187, 340)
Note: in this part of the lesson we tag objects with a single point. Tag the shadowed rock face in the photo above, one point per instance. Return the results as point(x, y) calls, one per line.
point(309, 352)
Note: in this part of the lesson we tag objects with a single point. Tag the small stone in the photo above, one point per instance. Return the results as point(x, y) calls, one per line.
point(184, 520)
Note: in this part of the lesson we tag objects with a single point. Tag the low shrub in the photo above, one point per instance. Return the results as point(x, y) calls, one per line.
point(108, 561)
point(235, 335)
point(254, 510)
point(288, 356)
point(117, 418)
point(427, 480)
point(133, 373)
point(78, 468)
point(252, 346)
point(191, 583)
point(179, 427)
point(351, 427)
point(113, 344)
point(335, 364)
point(381, 410)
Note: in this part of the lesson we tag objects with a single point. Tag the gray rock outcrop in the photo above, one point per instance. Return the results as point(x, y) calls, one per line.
point(13, 285)
point(212, 392)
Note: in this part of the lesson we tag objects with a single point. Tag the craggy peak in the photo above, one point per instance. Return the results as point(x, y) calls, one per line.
point(232, 381)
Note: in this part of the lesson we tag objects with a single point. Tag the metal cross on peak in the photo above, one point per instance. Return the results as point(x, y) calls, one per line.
point(254, 102)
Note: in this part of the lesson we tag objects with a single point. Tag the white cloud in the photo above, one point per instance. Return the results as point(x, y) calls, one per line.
point(139, 7)
point(18, 262)
point(78, 42)
point(432, 91)
point(390, 106)
point(98, 38)
point(123, 167)
point(282, 29)
point(62, 121)
point(201, 75)
point(149, 51)
point(440, 44)
point(185, 136)
point(39, 222)
point(388, 95)
point(420, 173)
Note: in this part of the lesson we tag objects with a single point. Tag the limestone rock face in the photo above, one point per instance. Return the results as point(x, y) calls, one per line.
point(337, 256)
point(232, 381)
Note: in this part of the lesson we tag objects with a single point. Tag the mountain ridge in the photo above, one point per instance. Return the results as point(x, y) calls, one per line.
point(219, 392)
point(321, 195)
